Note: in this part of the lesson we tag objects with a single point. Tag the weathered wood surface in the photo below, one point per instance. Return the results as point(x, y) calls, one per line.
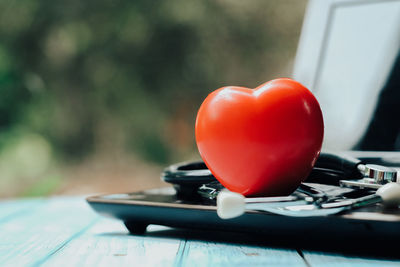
point(66, 232)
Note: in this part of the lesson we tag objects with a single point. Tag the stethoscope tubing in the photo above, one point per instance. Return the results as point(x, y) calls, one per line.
point(329, 169)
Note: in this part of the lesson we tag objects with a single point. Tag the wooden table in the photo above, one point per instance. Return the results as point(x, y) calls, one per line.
point(64, 231)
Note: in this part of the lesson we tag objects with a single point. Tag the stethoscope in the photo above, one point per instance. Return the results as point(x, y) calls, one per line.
point(194, 179)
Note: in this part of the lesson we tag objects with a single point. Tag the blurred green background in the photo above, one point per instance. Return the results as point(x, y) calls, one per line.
point(99, 96)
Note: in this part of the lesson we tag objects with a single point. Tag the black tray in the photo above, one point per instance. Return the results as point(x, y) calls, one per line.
point(163, 207)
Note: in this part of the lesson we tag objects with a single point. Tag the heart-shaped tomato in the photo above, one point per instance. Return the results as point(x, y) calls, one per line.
point(261, 141)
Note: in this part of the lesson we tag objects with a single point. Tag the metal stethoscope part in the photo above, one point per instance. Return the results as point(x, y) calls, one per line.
point(231, 205)
point(374, 176)
point(380, 174)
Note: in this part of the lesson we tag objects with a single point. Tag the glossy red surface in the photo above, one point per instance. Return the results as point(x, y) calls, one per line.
point(261, 141)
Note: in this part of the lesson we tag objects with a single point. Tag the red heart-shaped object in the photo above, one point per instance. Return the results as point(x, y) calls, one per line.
point(261, 141)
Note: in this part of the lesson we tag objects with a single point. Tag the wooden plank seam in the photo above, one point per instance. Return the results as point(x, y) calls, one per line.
point(57, 249)
point(181, 253)
point(302, 256)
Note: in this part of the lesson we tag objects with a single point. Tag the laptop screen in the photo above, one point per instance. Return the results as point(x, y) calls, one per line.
point(346, 54)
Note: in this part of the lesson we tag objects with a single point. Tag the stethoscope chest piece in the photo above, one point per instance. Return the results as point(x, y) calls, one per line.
point(374, 177)
point(380, 174)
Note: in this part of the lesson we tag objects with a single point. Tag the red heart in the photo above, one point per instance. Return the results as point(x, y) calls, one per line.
point(263, 141)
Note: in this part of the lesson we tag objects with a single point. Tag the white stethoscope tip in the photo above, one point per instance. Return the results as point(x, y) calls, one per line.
point(230, 204)
point(390, 194)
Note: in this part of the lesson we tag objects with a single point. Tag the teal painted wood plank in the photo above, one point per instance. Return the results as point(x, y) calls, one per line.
point(333, 259)
point(107, 243)
point(65, 231)
point(13, 208)
point(29, 238)
point(200, 253)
